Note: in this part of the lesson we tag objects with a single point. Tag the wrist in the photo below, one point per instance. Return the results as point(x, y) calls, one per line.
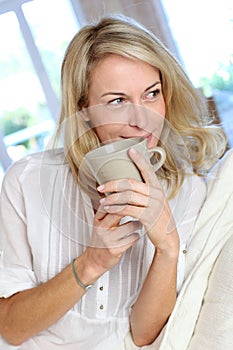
point(84, 286)
point(86, 271)
point(170, 246)
point(171, 253)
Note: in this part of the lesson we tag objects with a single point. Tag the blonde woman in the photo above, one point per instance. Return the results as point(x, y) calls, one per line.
point(61, 289)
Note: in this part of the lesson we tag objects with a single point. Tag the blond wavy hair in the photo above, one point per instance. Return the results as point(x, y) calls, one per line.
point(186, 110)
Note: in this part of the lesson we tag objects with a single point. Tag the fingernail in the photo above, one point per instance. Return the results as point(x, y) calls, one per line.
point(133, 151)
point(106, 207)
point(100, 188)
point(102, 200)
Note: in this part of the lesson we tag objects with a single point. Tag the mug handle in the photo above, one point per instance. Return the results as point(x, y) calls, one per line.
point(162, 158)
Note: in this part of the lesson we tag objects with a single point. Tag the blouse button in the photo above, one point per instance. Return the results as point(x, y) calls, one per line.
point(184, 251)
point(101, 307)
point(101, 288)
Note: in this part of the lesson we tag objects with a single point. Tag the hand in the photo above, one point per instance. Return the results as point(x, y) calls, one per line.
point(145, 202)
point(109, 240)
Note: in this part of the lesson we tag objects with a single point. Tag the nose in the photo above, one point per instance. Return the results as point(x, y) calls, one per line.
point(137, 116)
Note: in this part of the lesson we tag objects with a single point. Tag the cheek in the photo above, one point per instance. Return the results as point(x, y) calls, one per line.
point(157, 117)
point(101, 132)
point(162, 112)
point(108, 132)
point(158, 112)
point(162, 107)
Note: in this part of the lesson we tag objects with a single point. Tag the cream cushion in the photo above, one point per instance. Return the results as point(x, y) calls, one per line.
point(214, 328)
point(202, 318)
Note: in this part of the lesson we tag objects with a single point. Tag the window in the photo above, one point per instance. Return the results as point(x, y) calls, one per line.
point(203, 31)
point(31, 55)
point(52, 27)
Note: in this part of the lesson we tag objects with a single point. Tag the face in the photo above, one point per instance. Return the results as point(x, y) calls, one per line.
point(126, 100)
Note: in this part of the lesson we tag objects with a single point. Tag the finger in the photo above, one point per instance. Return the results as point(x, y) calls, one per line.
point(126, 197)
point(128, 241)
point(100, 213)
point(126, 229)
point(106, 220)
point(147, 216)
point(124, 243)
point(142, 164)
point(125, 210)
point(124, 185)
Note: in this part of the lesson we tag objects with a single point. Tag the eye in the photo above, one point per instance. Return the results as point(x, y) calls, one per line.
point(153, 95)
point(117, 102)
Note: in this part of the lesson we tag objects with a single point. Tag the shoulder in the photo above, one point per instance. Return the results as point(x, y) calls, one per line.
point(51, 160)
point(225, 163)
point(192, 186)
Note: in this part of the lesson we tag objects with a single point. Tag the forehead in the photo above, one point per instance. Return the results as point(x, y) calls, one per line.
point(115, 69)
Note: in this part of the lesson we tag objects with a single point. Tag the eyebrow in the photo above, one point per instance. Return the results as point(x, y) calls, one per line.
point(151, 86)
point(123, 94)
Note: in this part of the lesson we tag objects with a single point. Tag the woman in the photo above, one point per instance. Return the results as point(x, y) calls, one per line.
point(73, 276)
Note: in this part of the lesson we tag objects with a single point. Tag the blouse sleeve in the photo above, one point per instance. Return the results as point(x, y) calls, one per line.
point(16, 272)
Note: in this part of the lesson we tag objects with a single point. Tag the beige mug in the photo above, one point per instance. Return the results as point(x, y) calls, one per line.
point(111, 161)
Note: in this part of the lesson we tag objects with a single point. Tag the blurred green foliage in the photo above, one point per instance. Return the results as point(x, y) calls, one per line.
point(13, 121)
point(221, 80)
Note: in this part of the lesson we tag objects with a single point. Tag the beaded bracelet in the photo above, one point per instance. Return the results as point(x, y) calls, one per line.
point(80, 283)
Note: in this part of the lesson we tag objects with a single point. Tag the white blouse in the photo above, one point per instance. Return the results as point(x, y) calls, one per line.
point(45, 222)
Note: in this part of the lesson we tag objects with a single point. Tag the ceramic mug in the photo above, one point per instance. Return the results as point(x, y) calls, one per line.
point(111, 161)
